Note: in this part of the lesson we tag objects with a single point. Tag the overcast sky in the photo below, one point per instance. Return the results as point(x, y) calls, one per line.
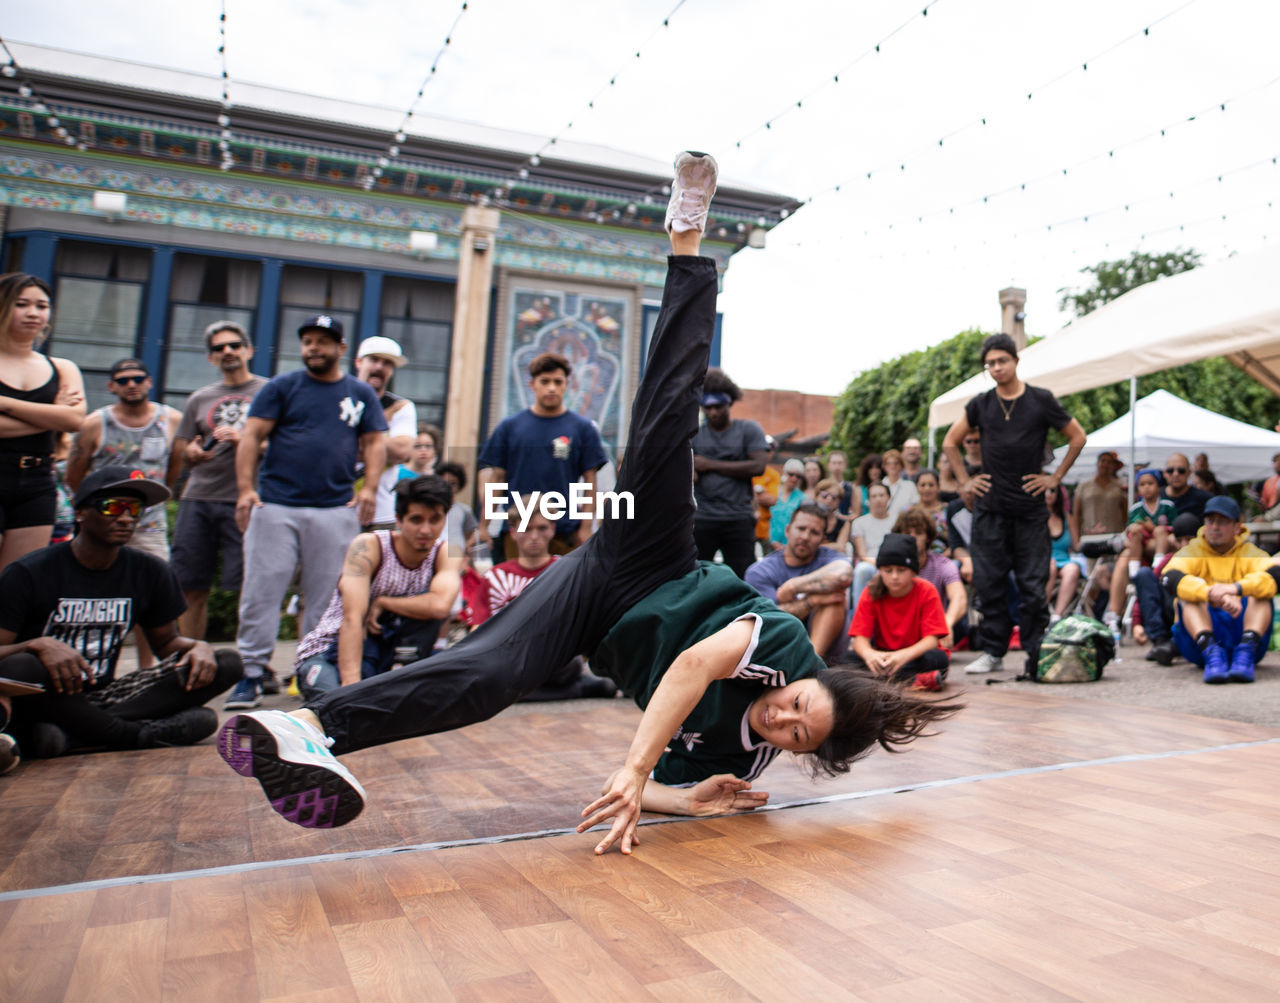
point(855, 277)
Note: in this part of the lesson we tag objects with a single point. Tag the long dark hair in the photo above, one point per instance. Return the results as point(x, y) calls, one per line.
point(11, 287)
point(864, 468)
point(869, 711)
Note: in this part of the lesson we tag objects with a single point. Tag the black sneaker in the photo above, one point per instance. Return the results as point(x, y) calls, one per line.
point(1161, 652)
point(269, 683)
point(48, 741)
point(187, 727)
point(1103, 548)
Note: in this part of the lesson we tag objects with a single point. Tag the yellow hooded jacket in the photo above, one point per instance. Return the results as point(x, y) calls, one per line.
point(1197, 566)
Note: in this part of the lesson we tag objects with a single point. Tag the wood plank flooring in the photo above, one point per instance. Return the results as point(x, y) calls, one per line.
point(1137, 880)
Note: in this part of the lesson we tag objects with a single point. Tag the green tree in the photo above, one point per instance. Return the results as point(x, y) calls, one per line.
point(885, 405)
point(1112, 279)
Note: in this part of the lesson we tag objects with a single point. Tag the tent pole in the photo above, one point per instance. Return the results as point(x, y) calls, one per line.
point(932, 432)
point(1133, 438)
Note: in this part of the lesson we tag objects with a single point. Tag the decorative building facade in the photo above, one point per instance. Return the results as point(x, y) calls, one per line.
point(153, 208)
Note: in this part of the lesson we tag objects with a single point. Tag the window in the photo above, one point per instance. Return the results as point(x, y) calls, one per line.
point(305, 292)
point(204, 289)
point(419, 315)
point(98, 309)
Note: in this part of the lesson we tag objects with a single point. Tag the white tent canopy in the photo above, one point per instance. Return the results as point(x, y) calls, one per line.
point(1229, 309)
point(1167, 424)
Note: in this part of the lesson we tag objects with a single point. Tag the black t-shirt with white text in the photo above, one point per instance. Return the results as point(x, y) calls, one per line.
point(1013, 445)
point(48, 593)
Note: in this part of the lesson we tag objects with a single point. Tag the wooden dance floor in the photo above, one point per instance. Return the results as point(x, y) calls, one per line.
point(1038, 849)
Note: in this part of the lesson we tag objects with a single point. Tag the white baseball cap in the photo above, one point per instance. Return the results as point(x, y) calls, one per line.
point(386, 347)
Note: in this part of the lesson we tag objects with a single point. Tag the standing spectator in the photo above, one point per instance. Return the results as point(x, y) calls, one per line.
point(1178, 488)
point(911, 453)
point(902, 492)
point(727, 453)
point(790, 497)
point(207, 439)
point(1101, 504)
point(377, 359)
point(545, 448)
point(806, 579)
point(1010, 525)
point(133, 432)
point(317, 420)
point(40, 397)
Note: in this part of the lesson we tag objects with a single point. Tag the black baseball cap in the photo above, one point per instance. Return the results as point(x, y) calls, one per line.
point(109, 480)
point(323, 322)
point(129, 366)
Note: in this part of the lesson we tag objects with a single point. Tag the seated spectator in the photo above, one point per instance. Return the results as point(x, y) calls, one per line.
point(902, 491)
point(938, 571)
point(1267, 492)
point(1224, 586)
point(1065, 567)
point(850, 502)
point(790, 497)
point(462, 531)
point(827, 497)
point(1178, 488)
point(866, 534)
point(423, 456)
point(504, 582)
point(870, 471)
point(66, 612)
point(806, 579)
point(1207, 482)
point(391, 580)
point(948, 486)
point(814, 471)
point(927, 485)
point(959, 528)
point(1147, 536)
point(898, 624)
point(1153, 614)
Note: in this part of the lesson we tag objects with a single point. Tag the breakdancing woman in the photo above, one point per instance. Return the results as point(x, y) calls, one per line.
point(726, 680)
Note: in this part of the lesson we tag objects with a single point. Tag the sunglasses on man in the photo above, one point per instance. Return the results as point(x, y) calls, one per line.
point(233, 346)
point(134, 380)
point(113, 508)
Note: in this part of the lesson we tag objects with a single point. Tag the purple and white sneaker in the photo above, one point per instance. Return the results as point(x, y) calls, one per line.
point(291, 760)
point(691, 191)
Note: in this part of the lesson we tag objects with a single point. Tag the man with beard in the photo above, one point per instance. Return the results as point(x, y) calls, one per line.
point(1186, 497)
point(377, 360)
point(211, 426)
point(727, 453)
point(806, 579)
point(318, 420)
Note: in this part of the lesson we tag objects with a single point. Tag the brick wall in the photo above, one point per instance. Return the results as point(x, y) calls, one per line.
point(781, 410)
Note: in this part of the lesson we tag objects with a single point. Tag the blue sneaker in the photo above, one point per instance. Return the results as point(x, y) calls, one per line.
point(1215, 664)
point(245, 695)
point(292, 762)
point(1242, 664)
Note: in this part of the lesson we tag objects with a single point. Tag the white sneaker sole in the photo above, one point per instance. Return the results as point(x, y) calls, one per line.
point(311, 790)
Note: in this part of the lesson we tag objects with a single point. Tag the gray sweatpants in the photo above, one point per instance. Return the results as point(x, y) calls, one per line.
point(279, 539)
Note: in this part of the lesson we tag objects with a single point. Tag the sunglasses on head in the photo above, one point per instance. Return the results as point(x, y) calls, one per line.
point(113, 508)
point(135, 380)
point(1175, 470)
point(233, 346)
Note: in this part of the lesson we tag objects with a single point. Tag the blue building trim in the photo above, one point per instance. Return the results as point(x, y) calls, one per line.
point(37, 254)
point(156, 309)
point(370, 304)
point(268, 332)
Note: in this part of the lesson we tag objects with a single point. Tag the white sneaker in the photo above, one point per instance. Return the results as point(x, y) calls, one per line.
point(983, 664)
point(292, 762)
point(691, 191)
point(1054, 618)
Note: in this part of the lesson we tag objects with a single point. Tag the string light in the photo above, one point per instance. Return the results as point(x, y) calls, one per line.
point(899, 164)
point(224, 116)
point(401, 133)
point(12, 71)
point(835, 77)
point(534, 159)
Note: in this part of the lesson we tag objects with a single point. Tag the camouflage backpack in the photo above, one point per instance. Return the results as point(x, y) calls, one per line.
point(1074, 651)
